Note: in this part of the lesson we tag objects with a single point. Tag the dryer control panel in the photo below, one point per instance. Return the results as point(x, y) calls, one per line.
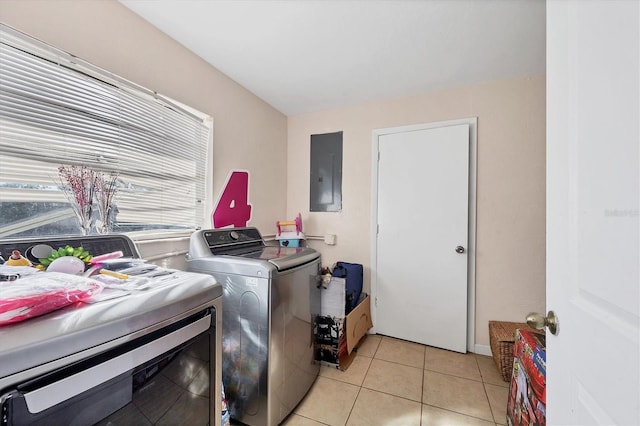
point(231, 241)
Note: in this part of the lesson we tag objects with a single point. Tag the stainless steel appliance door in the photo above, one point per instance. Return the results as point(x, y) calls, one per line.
point(295, 301)
point(268, 359)
point(164, 376)
point(245, 343)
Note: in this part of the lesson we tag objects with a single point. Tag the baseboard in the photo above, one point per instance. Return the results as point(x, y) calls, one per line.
point(482, 350)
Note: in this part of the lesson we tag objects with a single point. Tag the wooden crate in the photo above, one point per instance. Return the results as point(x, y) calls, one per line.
point(501, 338)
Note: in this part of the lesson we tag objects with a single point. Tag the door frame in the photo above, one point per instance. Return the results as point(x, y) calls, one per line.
point(471, 242)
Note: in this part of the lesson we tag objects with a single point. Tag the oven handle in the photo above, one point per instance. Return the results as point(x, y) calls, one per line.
point(57, 392)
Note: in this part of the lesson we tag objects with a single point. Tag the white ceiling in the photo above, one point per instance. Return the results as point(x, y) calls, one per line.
point(309, 55)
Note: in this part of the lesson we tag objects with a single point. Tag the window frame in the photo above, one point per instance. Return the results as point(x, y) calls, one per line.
point(52, 54)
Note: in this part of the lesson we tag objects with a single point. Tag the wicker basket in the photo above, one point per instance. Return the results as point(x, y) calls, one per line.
point(501, 338)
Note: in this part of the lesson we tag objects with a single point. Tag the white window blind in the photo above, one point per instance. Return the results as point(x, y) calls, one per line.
point(57, 110)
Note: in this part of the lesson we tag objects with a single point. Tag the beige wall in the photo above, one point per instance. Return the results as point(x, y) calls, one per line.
point(510, 269)
point(249, 134)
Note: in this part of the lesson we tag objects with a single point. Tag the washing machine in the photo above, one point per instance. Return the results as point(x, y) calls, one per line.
point(270, 296)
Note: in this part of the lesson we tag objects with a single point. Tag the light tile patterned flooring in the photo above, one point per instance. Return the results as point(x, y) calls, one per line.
point(394, 382)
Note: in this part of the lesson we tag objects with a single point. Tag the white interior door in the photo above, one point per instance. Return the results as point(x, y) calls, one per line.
point(593, 188)
point(422, 216)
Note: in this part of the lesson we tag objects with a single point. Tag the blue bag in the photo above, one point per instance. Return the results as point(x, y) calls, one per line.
point(354, 275)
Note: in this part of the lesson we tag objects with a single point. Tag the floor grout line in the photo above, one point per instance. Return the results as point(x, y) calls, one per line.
point(458, 412)
point(454, 375)
point(353, 406)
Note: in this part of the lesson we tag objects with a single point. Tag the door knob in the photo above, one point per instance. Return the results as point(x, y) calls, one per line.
point(539, 321)
point(459, 249)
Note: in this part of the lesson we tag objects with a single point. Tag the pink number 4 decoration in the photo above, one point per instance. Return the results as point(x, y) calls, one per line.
point(233, 208)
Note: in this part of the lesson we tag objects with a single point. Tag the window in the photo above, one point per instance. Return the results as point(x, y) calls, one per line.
point(57, 110)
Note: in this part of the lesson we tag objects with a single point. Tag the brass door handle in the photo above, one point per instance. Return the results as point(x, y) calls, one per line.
point(539, 321)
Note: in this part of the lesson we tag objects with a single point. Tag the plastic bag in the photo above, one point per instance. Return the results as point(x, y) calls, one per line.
point(41, 293)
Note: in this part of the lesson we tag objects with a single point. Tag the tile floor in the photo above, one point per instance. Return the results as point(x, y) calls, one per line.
point(394, 382)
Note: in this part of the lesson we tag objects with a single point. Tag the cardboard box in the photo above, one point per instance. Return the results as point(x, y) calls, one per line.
point(337, 338)
point(357, 323)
